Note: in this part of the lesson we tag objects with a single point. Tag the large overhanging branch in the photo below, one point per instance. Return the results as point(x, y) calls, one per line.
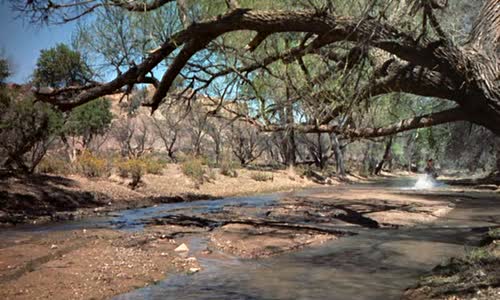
point(485, 33)
point(330, 28)
point(447, 116)
point(67, 11)
point(395, 76)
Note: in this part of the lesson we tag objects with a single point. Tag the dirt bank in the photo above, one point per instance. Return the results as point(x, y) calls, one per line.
point(85, 264)
point(474, 276)
point(42, 198)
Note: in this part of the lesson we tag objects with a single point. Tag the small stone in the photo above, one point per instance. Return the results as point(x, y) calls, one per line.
point(163, 254)
point(109, 203)
point(53, 247)
point(191, 259)
point(193, 270)
point(84, 230)
point(182, 248)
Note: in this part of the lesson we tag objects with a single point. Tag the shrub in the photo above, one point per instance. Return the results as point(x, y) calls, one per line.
point(154, 166)
point(212, 176)
point(494, 234)
point(193, 168)
point(228, 168)
point(92, 166)
point(261, 176)
point(54, 165)
point(133, 168)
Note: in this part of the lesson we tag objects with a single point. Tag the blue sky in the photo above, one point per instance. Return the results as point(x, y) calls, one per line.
point(21, 42)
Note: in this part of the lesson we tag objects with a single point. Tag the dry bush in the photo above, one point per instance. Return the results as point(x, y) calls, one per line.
point(154, 166)
point(54, 165)
point(90, 165)
point(261, 176)
point(133, 168)
point(194, 169)
point(228, 168)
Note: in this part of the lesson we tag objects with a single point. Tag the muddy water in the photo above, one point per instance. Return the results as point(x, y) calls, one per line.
point(374, 264)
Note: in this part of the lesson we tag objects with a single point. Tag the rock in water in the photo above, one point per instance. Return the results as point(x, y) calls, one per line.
point(182, 248)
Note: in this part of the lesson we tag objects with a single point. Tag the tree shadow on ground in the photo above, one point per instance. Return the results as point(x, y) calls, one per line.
point(28, 196)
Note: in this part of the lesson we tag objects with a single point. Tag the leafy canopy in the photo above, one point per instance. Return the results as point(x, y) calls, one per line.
point(90, 119)
point(60, 66)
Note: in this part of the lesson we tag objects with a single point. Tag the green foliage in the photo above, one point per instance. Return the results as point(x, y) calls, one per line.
point(261, 176)
point(494, 234)
point(90, 119)
point(479, 255)
point(60, 66)
point(90, 165)
point(193, 168)
point(4, 70)
point(27, 129)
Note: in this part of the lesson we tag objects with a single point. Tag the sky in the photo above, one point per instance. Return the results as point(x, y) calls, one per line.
point(21, 42)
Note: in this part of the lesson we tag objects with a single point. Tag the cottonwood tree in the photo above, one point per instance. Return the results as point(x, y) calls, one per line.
point(380, 40)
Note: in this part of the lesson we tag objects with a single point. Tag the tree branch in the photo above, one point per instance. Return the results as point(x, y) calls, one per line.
point(328, 27)
point(447, 116)
point(485, 32)
point(395, 76)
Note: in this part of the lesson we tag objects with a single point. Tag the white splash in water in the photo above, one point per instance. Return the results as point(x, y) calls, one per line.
point(425, 181)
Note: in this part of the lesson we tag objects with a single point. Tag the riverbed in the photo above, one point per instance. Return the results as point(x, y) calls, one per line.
point(362, 241)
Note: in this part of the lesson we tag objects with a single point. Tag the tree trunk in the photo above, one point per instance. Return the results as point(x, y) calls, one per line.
point(385, 158)
point(288, 142)
point(409, 151)
point(320, 155)
point(497, 169)
point(290, 139)
point(339, 156)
